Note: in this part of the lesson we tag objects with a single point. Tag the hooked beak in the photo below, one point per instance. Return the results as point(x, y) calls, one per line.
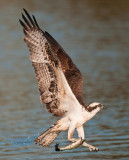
point(104, 107)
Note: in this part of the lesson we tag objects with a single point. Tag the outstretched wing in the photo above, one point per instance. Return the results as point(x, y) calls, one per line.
point(53, 87)
point(72, 73)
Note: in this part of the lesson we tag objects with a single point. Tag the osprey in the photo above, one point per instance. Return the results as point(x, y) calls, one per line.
point(60, 86)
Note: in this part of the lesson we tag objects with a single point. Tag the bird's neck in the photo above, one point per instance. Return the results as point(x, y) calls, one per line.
point(88, 115)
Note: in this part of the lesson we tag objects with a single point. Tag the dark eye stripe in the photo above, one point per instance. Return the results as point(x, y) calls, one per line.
point(89, 109)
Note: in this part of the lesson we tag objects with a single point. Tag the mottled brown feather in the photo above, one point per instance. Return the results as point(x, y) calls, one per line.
point(47, 57)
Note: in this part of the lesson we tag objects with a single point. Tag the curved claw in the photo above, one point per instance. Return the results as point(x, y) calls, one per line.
point(91, 148)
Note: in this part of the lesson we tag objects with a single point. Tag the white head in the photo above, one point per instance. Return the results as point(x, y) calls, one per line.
point(94, 107)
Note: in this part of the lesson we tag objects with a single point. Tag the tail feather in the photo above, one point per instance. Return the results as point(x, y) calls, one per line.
point(47, 137)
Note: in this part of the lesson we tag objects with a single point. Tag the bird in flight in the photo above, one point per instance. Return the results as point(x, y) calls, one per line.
point(60, 86)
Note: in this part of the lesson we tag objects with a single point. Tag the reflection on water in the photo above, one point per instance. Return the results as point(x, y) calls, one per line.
point(96, 36)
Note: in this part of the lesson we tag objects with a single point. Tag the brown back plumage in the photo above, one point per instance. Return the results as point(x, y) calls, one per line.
point(47, 57)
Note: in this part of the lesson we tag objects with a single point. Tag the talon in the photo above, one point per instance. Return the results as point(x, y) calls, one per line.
point(91, 148)
point(94, 149)
point(97, 150)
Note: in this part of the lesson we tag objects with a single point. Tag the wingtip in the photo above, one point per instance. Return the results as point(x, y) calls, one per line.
point(22, 15)
point(35, 21)
point(25, 12)
point(23, 25)
point(29, 17)
point(20, 21)
point(24, 9)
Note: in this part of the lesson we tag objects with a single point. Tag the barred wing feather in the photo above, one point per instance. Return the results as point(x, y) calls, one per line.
point(53, 87)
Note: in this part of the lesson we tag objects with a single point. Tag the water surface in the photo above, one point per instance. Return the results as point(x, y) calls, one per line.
point(96, 36)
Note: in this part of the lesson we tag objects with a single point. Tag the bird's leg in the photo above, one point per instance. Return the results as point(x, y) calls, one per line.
point(76, 142)
point(70, 133)
point(80, 131)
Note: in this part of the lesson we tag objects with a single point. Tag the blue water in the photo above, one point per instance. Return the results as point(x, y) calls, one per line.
point(96, 36)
